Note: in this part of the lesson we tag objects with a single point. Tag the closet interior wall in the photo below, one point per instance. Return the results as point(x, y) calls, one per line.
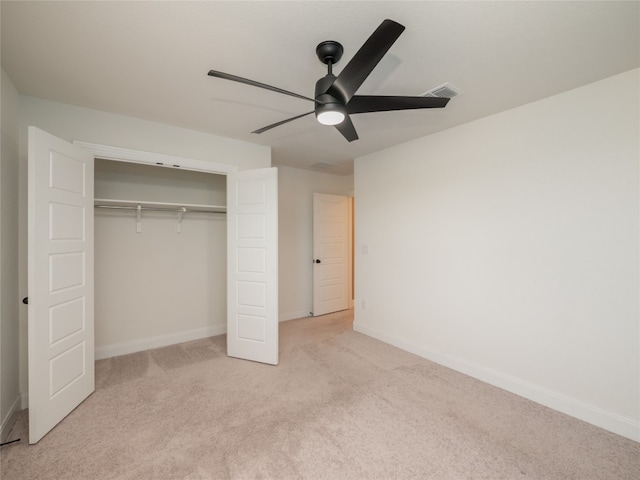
point(167, 282)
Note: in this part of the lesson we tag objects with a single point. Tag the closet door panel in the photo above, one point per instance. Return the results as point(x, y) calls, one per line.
point(252, 242)
point(60, 271)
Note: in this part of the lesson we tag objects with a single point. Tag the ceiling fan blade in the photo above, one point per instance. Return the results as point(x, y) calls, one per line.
point(347, 129)
point(253, 83)
point(365, 60)
point(269, 127)
point(374, 103)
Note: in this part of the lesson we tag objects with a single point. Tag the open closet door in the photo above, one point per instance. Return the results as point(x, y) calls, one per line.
point(60, 270)
point(252, 246)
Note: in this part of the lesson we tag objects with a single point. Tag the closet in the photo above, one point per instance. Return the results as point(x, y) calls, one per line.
point(159, 264)
point(160, 256)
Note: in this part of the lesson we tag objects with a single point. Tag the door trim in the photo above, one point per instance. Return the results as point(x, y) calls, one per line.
point(107, 152)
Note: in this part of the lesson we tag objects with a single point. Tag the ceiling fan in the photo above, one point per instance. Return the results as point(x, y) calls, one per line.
point(335, 97)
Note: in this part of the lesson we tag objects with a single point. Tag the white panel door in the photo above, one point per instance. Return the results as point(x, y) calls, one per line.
point(252, 251)
point(330, 253)
point(60, 270)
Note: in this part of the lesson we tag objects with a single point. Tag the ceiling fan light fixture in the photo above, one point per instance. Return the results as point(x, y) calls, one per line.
point(330, 113)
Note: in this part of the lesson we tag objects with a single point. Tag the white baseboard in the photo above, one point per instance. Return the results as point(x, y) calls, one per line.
point(9, 419)
point(125, 348)
point(612, 422)
point(283, 317)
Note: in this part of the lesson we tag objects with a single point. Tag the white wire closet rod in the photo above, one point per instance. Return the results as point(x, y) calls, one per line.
point(138, 206)
point(157, 206)
point(158, 209)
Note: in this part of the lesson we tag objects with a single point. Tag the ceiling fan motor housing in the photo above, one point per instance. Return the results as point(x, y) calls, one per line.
point(322, 86)
point(327, 103)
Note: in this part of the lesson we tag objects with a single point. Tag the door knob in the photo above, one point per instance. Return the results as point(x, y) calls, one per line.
point(317, 260)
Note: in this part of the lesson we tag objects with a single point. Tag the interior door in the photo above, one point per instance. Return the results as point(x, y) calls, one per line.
point(60, 270)
point(330, 253)
point(252, 265)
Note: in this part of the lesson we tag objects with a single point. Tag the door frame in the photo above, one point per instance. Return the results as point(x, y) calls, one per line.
point(125, 155)
point(156, 159)
point(107, 152)
point(352, 266)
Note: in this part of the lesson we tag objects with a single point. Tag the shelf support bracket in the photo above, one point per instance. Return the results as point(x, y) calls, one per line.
point(139, 219)
point(181, 213)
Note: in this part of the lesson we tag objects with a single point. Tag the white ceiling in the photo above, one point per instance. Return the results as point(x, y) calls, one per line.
point(150, 60)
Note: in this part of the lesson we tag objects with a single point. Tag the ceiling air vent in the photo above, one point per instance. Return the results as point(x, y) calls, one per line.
point(321, 165)
point(446, 90)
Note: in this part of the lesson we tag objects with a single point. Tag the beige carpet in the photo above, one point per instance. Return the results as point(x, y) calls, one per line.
point(339, 406)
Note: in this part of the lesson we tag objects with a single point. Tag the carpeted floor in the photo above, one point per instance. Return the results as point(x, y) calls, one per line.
point(340, 405)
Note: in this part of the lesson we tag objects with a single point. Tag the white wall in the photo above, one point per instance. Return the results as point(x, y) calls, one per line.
point(295, 233)
point(75, 123)
point(10, 401)
point(508, 249)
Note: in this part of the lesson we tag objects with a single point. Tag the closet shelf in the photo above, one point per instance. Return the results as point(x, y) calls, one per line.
point(157, 206)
